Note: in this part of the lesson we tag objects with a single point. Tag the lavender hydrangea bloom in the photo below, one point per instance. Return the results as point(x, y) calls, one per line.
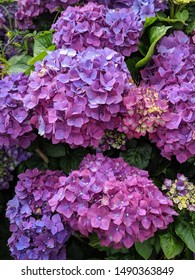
point(77, 96)
point(144, 8)
point(10, 158)
point(112, 199)
point(98, 26)
point(29, 9)
point(172, 72)
point(37, 232)
point(15, 127)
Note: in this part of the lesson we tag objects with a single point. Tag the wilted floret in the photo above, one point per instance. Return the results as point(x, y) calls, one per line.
point(146, 112)
point(77, 96)
point(117, 202)
point(10, 158)
point(181, 192)
point(98, 26)
point(172, 73)
point(15, 127)
point(37, 232)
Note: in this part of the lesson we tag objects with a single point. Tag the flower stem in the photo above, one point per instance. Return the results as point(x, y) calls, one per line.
point(42, 155)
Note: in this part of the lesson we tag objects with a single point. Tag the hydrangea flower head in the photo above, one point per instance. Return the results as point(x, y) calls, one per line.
point(172, 73)
point(114, 200)
point(98, 26)
point(145, 112)
point(37, 232)
point(77, 96)
point(15, 127)
point(181, 192)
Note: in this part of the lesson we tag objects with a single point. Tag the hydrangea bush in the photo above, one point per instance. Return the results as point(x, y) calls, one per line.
point(97, 129)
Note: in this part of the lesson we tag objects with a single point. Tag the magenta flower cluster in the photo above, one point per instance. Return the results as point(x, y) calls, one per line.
point(98, 26)
point(172, 72)
point(10, 158)
point(30, 9)
point(146, 112)
point(15, 127)
point(77, 96)
point(37, 232)
point(144, 8)
point(112, 199)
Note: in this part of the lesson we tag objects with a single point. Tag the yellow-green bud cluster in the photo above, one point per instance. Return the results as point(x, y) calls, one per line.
point(183, 2)
point(113, 139)
point(181, 192)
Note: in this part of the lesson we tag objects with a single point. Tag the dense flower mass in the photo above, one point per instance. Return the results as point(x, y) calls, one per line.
point(146, 112)
point(77, 96)
point(98, 26)
point(144, 8)
point(181, 192)
point(10, 158)
point(117, 202)
point(29, 9)
point(15, 127)
point(37, 233)
point(172, 72)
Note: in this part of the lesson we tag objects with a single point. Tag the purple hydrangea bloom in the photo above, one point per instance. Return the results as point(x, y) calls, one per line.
point(172, 73)
point(29, 9)
point(146, 112)
point(98, 26)
point(15, 127)
point(144, 8)
point(37, 232)
point(77, 96)
point(117, 202)
point(10, 158)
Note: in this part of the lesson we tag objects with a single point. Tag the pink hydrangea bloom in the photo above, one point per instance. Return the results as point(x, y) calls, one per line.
point(172, 73)
point(112, 199)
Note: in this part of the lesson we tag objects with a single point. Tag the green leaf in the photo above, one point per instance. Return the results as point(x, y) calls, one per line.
point(170, 244)
point(186, 231)
point(55, 151)
point(71, 162)
point(41, 55)
point(137, 154)
point(149, 21)
point(182, 16)
point(190, 28)
point(144, 249)
point(42, 41)
point(18, 68)
point(17, 64)
point(17, 59)
point(156, 33)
